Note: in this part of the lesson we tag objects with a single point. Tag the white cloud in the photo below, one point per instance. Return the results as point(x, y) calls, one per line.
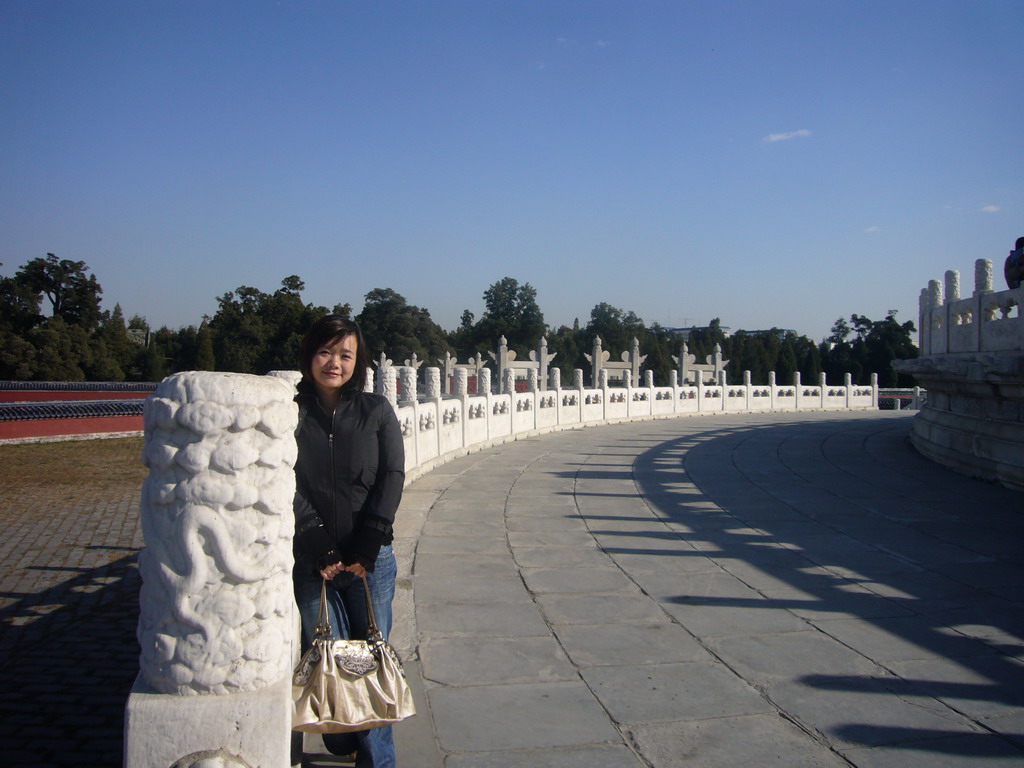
point(991, 208)
point(872, 230)
point(773, 137)
point(602, 43)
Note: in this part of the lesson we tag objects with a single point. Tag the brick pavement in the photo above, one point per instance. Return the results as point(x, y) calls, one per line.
point(68, 606)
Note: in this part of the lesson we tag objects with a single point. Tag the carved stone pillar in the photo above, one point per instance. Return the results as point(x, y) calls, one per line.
point(484, 386)
point(389, 385)
point(217, 614)
point(556, 378)
point(982, 276)
point(461, 381)
point(952, 285)
point(433, 384)
point(407, 376)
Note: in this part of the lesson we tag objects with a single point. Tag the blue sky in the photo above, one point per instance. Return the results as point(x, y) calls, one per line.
point(769, 163)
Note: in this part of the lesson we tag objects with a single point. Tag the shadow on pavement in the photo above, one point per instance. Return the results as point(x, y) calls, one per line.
point(858, 526)
point(69, 661)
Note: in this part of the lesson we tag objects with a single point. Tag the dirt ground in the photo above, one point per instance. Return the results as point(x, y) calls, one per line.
point(68, 469)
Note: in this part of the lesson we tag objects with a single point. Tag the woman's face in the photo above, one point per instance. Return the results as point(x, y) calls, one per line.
point(334, 364)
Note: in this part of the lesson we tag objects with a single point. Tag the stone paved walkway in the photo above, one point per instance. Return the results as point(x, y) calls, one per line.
point(787, 590)
point(793, 590)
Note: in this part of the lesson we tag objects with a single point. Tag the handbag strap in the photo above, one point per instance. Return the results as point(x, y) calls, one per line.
point(323, 622)
point(322, 629)
point(372, 634)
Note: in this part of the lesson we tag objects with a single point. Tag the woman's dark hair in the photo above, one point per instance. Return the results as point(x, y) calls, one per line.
point(1019, 243)
point(325, 332)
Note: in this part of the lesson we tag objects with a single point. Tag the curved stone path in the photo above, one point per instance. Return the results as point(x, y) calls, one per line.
point(793, 590)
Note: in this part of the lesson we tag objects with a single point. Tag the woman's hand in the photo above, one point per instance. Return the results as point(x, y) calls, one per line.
point(357, 569)
point(335, 568)
point(332, 570)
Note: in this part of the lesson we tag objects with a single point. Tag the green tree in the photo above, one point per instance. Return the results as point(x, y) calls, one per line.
point(205, 360)
point(511, 310)
point(256, 332)
point(19, 306)
point(616, 327)
point(568, 345)
point(73, 294)
point(874, 346)
point(393, 326)
point(155, 364)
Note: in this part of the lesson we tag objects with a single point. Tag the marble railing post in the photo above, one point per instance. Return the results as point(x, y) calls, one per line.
point(217, 615)
point(531, 380)
point(938, 333)
point(484, 382)
point(461, 381)
point(982, 276)
point(952, 285)
point(388, 385)
point(556, 378)
point(432, 387)
point(407, 376)
point(508, 382)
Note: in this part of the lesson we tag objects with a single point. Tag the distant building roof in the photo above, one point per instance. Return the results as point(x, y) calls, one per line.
point(691, 328)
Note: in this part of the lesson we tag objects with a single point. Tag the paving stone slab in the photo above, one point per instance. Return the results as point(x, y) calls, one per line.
point(901, 638)
point(676, 562)
point(494, 718)
point(577, 580)
point(492, 544)
point(611, 609)
point(480, 526)
point(558, 524)
point(480, 619)
point(534, 538)
point(699, 588)
point(477, 661)
point(695, 690)
point(978, 686)
point(856, 711)
point(598, 756)
point(1010, 727)
point(590, 645)
point(767, 740)
point(764, 659)
point(987, 750)
point(540, 557)
point(710, 620)
point(636, 543)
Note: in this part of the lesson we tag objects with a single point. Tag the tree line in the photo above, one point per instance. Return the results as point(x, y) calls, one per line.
point(255, 332)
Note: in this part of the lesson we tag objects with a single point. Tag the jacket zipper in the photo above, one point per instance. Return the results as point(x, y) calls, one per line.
point(334, 484)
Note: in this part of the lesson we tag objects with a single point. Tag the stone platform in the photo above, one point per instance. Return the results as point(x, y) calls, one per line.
point(776, 589)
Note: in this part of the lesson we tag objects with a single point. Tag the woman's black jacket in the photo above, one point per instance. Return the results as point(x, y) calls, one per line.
point(349, 476)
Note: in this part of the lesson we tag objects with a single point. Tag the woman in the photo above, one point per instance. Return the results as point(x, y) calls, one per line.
point(349, 476)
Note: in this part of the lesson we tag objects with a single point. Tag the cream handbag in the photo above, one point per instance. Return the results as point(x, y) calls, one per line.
point(349, 685)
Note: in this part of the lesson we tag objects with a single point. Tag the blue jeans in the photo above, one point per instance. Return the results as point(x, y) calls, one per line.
point(346, 609)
